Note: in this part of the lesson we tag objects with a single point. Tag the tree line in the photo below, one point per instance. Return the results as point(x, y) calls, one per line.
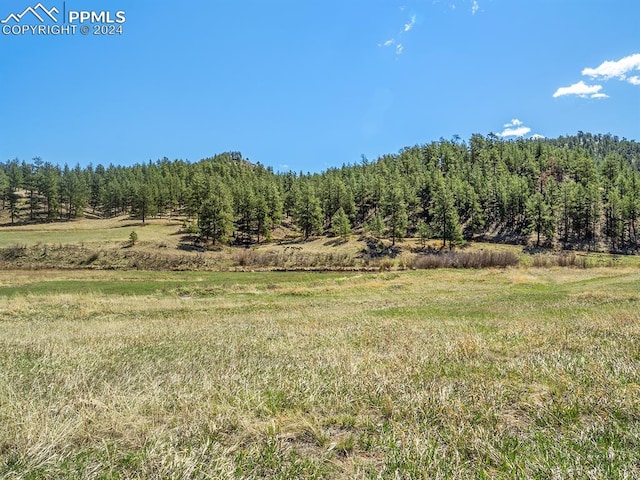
point(580, 190)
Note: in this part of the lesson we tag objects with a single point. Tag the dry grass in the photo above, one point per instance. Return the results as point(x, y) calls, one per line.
point(478, 259)
point(162, 245)
point(440, 374)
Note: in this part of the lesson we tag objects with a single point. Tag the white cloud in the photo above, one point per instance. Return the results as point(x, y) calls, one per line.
point(537, 136)
point(513, 123)
point(474, 7)
point(614, 69)
point(515, 132)
point(617, 69)
point(635, 80)
point(399, 48)
point(412, 22)
point(581, 89)
point(515, 128)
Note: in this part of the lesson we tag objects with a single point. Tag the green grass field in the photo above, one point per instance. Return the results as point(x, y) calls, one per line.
point(87, 231)
point(517, 373)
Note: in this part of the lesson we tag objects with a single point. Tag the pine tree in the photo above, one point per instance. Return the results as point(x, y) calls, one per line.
point(396, 213)
point(262, 218)
point(4, 187)
point(424, 232)
point(340, 225)
point(631, 207)
point(144, 204)
point(15, 182)
point(446, 222)
point(375, 225)
point(215, 215)
point(540, 217)
point(308, 212)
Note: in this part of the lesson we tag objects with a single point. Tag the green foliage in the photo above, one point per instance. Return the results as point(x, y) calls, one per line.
point(396, 213)
point(144, 204)
point(446, 222)
point(540, 217)
point(262, 218)
point(133, 237)
point(308, 211)
point(375, 225)
point(215, 216)
point(190, 227)
point(340, 225)
point(591, 183)
point(424, 232)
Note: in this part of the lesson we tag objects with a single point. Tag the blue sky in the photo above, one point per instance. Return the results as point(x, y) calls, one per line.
point(306, 85)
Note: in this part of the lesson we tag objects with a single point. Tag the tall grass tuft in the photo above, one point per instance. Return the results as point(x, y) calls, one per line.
point(482, 259)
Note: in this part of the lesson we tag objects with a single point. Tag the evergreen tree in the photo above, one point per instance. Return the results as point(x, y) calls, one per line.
point(215, 215)
point(262, 218)
point(540, 217)
point(340, 225)
point(15, 175)
point(4, 187)
point(424, 232)
point(196, 193)
point(445, 220)
point(396, 213)
point(375, 225)
point(631, 206)
point(566, 202)
point(144, 204)
point(49, 186)
point(30, 184)
point(308, 211)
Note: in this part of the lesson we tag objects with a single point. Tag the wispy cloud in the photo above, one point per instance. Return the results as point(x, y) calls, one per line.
point(635, 80)
point(616, 69)
point(513, 123)
point(396, 41)
point(515, 128)
point(580, 89)
point(459, 5)
point(412, 22)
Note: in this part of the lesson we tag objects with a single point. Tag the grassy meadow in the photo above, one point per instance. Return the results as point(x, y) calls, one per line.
point(497, 373)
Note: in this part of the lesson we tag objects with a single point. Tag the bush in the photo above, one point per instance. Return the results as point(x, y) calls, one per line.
point(483, 259)
point(15, 251)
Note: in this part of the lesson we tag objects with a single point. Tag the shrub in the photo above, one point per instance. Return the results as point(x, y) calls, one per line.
point(483, 259)
point(15, 251)
point(385, 264)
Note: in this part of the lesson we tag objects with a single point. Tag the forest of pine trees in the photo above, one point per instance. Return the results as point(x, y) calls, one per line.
point(577, 190)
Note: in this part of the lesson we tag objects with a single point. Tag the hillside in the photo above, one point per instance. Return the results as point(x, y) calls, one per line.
point(577, 193)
